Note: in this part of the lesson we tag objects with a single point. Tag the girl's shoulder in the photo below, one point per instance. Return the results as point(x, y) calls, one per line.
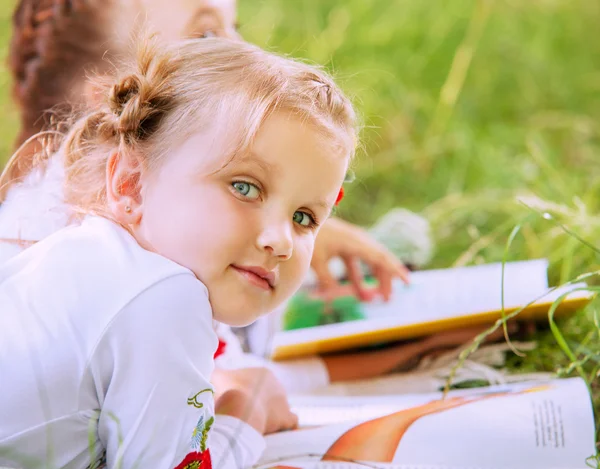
point(92, 284)
point(95, 266)
point(35, 207)
point(103, 249)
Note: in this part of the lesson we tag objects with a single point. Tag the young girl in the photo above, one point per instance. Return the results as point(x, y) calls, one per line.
point(201, 182)
point(51, 49)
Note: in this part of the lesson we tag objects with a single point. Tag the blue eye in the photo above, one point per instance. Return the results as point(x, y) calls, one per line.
point(303, 218)
point(246, 189)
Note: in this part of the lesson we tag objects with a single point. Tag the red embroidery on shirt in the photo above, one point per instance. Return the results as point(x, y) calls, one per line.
point(220, 348)
point(196, 460)
point(340, 196)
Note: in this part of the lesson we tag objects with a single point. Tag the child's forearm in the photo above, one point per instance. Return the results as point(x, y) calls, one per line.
point(363, 365)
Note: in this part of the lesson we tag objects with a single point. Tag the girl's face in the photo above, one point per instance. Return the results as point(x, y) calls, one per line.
point(247, 229)
point(176, 19)
point(172, 19)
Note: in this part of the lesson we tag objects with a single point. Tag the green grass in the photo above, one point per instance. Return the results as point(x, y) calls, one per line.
point(466, 105)
point(8, 114)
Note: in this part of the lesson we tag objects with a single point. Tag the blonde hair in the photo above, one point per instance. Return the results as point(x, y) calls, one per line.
point(172, 91)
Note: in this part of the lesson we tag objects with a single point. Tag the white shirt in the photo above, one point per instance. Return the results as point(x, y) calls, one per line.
point(298, 376)
point(35, 209)
point(105, 346)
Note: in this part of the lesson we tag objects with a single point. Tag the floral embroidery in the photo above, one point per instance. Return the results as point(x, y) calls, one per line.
point(199, 457)
point(196, 460)
point(220, 348)
point(340, 196)
point(197, 433)
point(200, 433)
point(209, 424)
point(194, 399)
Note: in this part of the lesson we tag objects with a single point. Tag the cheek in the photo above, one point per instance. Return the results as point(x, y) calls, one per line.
point(191, 224)
point(305, 250)
point(298, 266)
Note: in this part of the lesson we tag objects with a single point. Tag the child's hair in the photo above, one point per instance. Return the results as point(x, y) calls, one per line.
point(54, 44)
point(172, 91)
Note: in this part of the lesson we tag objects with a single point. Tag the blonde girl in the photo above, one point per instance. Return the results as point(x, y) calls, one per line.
point(201, 180)
point(51, 49)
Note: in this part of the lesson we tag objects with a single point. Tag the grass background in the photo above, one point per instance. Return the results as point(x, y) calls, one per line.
point(467, 105)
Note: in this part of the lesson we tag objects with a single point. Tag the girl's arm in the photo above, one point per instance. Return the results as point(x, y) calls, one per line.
point(151, 370)
point(365, 365)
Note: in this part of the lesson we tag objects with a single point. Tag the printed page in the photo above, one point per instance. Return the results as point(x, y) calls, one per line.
point(326, 410)
point(440, 294)
point(307, 463)
point(432, 295)
point(310, 464)
point(522, 426)
point(383, 316)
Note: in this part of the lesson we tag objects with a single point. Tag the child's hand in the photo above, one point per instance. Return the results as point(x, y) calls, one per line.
point(351, 243)
point(255, 396)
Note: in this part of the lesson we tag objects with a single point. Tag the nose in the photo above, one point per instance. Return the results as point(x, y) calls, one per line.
point(277, 239)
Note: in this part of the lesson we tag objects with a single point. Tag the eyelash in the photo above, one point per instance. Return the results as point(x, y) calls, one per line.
point(314, 221)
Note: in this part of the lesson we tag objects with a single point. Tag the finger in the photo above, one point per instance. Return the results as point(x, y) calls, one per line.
point(325, 280)
point(395, 267)
point(384, 278)
point(355, 277)
point(403, 272)
point(282, 418)
point(377, 257)
point(291, 421)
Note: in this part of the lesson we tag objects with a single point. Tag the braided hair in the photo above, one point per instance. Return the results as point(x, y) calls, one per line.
point(169, 92)
point(53, 43)
point(56, 43)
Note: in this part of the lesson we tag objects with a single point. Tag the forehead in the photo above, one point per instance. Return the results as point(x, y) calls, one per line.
point(287, 145)
point(175, 19)
point(285, 151)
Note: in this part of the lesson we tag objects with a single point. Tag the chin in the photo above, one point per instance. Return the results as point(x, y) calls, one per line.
point(239, 317)
point(242, 322)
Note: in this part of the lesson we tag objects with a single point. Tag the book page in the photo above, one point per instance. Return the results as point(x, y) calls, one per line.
point(307, 463)
point(440, 294)
point(521, 426)
point(434, 294)
point(325, 410)
point(383, 316)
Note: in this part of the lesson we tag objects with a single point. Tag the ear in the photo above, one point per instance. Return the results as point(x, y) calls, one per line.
point(123, 188)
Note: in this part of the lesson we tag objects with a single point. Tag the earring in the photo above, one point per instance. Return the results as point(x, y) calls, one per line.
point(127, 209)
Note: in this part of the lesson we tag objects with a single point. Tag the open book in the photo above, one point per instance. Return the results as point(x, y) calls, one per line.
point(536, 425)
point(435, 301)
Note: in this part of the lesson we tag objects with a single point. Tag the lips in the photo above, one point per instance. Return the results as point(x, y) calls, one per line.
point(257, 276)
